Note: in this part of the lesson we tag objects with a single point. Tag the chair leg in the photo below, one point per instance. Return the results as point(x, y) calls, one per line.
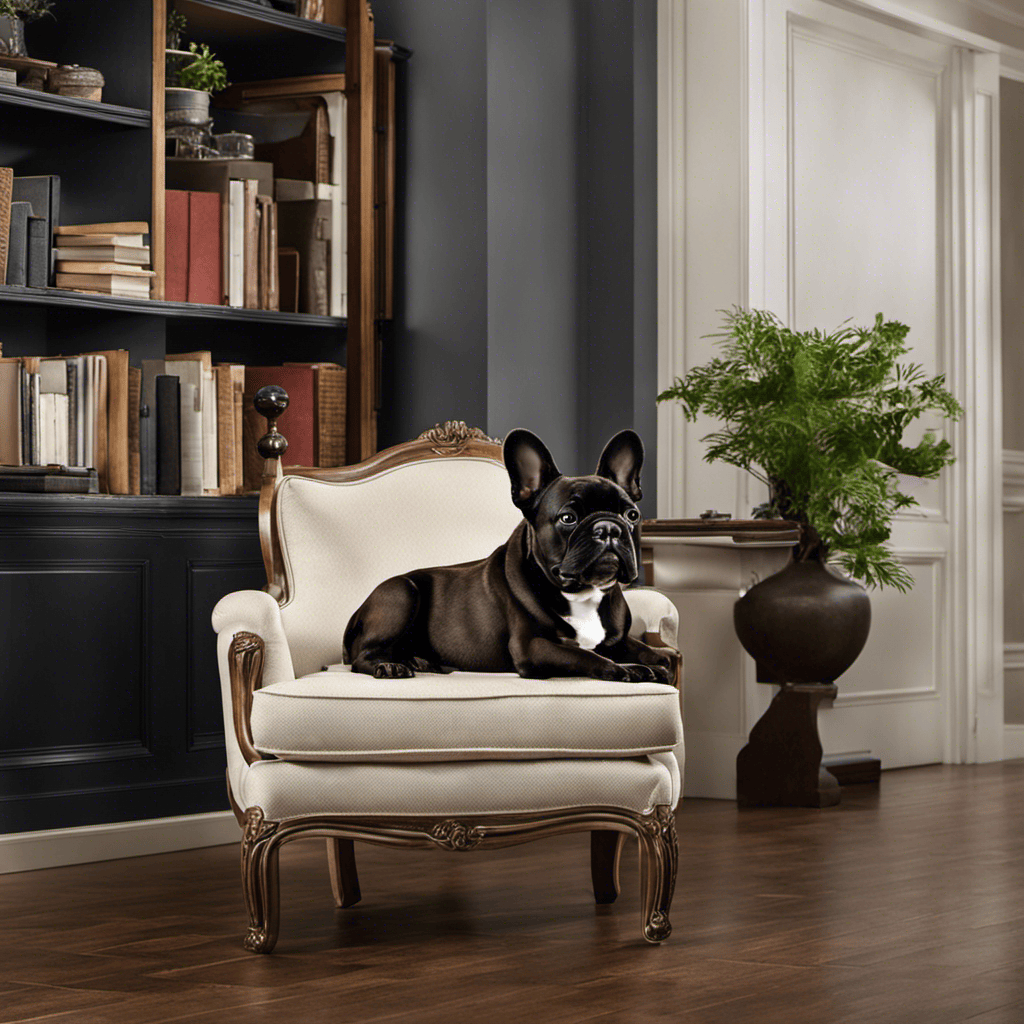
point(659, 858)
point(605, 850)
point(341, 862)
point(260, 882)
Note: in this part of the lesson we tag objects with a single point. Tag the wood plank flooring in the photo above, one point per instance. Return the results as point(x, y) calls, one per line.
point(905, 904)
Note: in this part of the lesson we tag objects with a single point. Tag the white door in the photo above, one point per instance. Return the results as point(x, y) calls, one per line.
point(868, 136)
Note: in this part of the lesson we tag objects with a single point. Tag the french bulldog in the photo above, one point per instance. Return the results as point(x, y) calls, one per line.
point(546, 603)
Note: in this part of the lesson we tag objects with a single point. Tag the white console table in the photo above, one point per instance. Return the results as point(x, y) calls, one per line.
point(703, 566)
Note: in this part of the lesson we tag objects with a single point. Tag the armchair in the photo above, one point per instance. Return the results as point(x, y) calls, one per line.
point(457, 761)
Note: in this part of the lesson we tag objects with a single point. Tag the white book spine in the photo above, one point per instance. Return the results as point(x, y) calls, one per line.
point(60, 425)
point(211, 483)
point(191, 440)
point(236, 243)
point(46, 423)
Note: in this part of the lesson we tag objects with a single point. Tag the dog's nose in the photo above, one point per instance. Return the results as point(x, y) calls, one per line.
point(605, 530)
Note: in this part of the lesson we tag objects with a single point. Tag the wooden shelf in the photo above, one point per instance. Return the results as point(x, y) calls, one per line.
point(110, 113)
point(152, 307)
point(213, 20)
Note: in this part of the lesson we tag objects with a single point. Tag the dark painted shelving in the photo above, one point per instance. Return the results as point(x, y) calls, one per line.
point(110, 113)
point(189, 310)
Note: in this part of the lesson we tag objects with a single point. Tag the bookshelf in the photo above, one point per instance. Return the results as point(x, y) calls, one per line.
point(109, 672)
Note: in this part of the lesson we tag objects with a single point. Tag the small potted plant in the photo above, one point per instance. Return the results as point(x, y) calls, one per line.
point(188, 102)
point(820, 418)
point(15, 13)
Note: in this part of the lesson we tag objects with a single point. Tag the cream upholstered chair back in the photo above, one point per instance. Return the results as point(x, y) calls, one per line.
point(338, 538)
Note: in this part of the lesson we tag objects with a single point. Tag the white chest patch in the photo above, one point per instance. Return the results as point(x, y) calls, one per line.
point(583, 617)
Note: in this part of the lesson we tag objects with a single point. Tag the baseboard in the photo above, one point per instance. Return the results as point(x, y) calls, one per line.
point(1013, 742)
point(854, 769)
point(28, 851)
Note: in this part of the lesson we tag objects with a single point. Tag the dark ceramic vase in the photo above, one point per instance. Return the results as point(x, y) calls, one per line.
point(804, 624)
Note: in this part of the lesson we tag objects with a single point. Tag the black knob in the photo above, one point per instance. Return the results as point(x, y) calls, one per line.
point(272, 445)
point(271, 401)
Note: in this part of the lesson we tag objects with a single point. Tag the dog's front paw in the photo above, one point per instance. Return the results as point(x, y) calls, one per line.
point(645, 674)
point(393, 670)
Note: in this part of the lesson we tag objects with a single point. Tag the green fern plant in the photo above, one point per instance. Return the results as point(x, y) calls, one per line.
point(205, 73)
point(820, 417)
point(27, 10)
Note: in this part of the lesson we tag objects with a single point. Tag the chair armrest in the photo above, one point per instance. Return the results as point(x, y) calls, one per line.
point(653, 612)
point(251, 646)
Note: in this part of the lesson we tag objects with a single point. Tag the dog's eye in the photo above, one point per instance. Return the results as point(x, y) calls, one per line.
point(632, 515)
point(568, 518)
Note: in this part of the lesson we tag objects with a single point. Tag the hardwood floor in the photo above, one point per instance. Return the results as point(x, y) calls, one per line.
point(904, 904)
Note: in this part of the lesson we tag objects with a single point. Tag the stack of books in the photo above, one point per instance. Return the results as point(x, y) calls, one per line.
point(104, 259)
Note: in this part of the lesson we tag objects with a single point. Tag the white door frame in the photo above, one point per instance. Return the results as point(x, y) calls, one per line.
point(974, 719)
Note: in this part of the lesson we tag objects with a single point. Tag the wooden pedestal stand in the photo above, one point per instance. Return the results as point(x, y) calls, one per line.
point(781, 765)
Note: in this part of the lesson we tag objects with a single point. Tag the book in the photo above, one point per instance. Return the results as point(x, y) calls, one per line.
point(134, 421)
point(151, 369)
point(133, 255)
point(48, 480)
point(176, 246)
point(43, 192)
point(10, 412)
point(168, 435)
point(329, 406)
point(273, 282)
point(189, 370)
point(236, 246)
point(76, 440)
point(129, 227)
point(228, 452)
point(17, 248)
point(263, 205)
point(89, 267)
point(40, 252)
point(288, 278)
point(251, 243)
point(6, 197)
point(296, 422)
point(205, 274)
point(121, 285)
point(90, 241)
point(305, 225)
point(196, 368)
point(112, 428)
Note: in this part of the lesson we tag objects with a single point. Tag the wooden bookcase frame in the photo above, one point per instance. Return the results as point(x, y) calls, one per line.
point(362, 354)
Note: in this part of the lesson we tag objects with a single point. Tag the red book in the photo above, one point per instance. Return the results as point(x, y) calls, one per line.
point(176, 258)
point(205, 283)
point(297, 423)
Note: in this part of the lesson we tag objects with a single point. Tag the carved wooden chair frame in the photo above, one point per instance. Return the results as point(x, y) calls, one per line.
point(263, 838)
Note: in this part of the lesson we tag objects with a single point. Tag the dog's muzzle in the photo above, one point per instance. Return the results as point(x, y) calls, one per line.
point(596, 537)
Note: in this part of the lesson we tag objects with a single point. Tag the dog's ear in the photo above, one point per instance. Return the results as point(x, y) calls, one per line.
point(621, 460)
point(529, 464)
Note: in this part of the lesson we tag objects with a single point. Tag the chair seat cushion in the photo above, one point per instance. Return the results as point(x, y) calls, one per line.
point(338, 715)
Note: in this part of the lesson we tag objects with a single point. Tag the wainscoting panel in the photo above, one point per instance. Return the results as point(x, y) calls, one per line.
point(108, 673)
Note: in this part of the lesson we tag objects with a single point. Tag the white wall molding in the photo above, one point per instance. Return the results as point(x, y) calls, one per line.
point(28, 851)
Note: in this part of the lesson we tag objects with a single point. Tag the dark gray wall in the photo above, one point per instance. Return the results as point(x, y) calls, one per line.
point(435, 361)
point(526, 224)
point(532, 221)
